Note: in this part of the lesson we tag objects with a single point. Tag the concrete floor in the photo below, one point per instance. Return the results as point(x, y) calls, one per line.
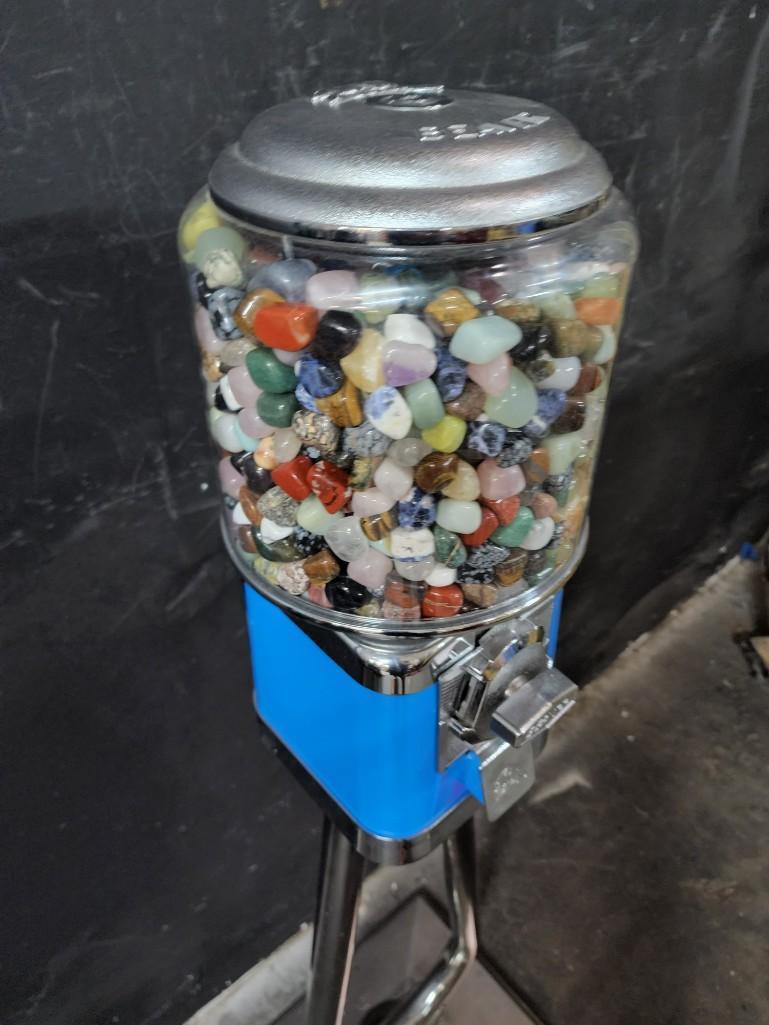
point(632, 886)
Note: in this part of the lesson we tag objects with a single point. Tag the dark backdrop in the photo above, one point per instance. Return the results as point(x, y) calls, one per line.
point(152, 849)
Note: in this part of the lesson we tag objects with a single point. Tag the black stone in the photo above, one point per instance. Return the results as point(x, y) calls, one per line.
point(537, 338)
point(486, 556)
point(258, 479)
point(346, 595)
point(337, 335)
point(470, 574)
point(307, 543)
point(219, 401)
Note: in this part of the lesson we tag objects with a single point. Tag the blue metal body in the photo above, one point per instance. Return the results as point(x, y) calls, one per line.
point(374, 754)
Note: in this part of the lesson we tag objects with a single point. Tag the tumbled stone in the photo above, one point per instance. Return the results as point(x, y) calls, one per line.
point(277, 410)
point(289, 326)
point(405, 327)
point(486, 555)
point(362, 472)
point(448, 547)
point(435, 471)
point(249, 503)
point(572, 417)
point(439, 602)
point(441, 575)
point(486, 526)
point(458, 516)
point(416, 509)
point(370, 569)
point(370, 502)
point(405, 363)
point(292, 578)
point(288, 277)
point(500, 481)
point(465, 486)
point(336, 335)
point(451, 308)
point(597, 310)
point(587, 379)
point(283, 550)
point(564, 376)
point(249, 306)
point(316, 429)
point(537, 339)
point(450, 376)
point(364, 366)
point(517, 449)
point(291, 477)
point(401, 593)
point(483, 595)
point(345, 594)
point(343, 406)
point(494, 375)
point(511, 569)
point(512, 534)
point(388, 411)
point(279, 507)
point(543, 505)
point(411, 543)
point(393, 479)
point(365, 440)
point(378, 526)
point(537, 466)
point(408, 451)
point(329, 482)
point(468, 405)
point(522, 311)
point(516, 405)
point(333, 289)
point(447, 435)
point(307, 543)
point(246, 540)
point(469, 574)
point(486, 437)
point(539, 534)
point(483, 340)
point(424, 401)
point(505, 509)
point(320, 378)
point(268, 372)
point(314, 517)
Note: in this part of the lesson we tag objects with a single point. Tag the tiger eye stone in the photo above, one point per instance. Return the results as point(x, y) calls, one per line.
point(321, 567)
point(249, 503)
point(344, 406)
point(510, 570)
point(435, 471)
point(450, 309)
point(250, 304)
point(379, 525)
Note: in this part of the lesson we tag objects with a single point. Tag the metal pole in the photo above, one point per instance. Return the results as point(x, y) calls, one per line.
point(423, 1006)
point(339, 884)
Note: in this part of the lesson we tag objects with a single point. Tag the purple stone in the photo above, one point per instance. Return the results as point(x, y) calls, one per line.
point(405, 363)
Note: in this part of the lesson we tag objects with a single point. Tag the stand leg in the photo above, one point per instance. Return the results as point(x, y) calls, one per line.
point(341, 876)
point(423, 1005)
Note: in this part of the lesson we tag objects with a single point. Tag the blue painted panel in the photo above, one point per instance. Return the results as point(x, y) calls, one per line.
point(374, 754)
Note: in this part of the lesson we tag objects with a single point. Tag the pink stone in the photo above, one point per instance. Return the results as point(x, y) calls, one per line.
point(371, 502)
point(543, 505)
point(499, 481)
point(205, 333)
point(393, 479)
point(230, 480)
point(252, 424)
point(370, 569)
point(493, 376)
point(242, 386)
point(333, 289)
point(289, 358)
point(317, 594)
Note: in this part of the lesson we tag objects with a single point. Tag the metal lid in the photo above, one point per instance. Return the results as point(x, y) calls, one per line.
point(380, 163)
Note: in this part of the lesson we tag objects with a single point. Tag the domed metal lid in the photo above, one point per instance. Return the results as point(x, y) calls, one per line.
point(398, 165)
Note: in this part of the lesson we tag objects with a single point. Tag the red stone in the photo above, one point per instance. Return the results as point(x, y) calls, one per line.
point(289, 326)
point(442, 601)
point(489, 524)
point(588, 380)
point(330, 483)
point(402, 593)
point(292, 477)
point(505, 509)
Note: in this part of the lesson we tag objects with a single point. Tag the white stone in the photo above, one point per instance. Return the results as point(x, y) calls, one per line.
point(409, 544)
point(405, 327)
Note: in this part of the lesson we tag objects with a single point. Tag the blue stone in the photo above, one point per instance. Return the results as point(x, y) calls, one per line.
point(318, 378)
point(221, 309)
point(550, 404)
point(451, 375)
point(517, 449)
point(305, 399)
point(365, 440)
point(486, 437)
point(417, 509)
point(287, 277)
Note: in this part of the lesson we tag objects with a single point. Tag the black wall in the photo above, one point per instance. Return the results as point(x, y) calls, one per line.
point(152, 847)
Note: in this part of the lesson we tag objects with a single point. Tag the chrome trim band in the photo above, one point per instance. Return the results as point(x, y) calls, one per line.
point(393, 240)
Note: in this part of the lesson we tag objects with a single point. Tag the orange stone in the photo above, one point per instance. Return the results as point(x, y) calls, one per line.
point(289, 326)
point(489, 524)
point(597, 311)
point(250, 304)
point(537, 466)
point(442, 601)
point(248, 501)
point(505, 509)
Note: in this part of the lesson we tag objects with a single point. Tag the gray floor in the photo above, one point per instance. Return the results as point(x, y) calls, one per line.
point(632, 887)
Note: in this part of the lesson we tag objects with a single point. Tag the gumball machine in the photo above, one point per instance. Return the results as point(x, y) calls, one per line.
point(407, 302)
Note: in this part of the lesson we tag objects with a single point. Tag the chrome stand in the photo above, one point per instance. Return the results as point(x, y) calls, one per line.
point(334, 940)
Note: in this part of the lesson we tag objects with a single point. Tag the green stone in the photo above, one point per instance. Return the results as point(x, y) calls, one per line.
point(483, 339)
point(602, 286)
point(562, 450)
point(424, 401)
point(268, 372)
point(448, 548)
point(511, 534)
point(284, 550)
point(277, 410)
point(516, 405)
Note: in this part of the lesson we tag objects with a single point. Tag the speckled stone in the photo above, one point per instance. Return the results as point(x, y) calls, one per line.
point(487, 555)
point(417, 509)
point(449, 549)
point(316, 429)
point(468, 405)
point(572, 417)
point(292, 578)
point(486, 437)
point(449, 309)
point(483, 595)
point(321, 567)
point(469, 574)
point(517, 449)
point(365, 440)
point(450, 375)
point(307, 543)
point(279, 507)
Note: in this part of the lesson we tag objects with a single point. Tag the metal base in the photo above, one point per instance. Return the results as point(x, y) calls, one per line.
point(401, 951)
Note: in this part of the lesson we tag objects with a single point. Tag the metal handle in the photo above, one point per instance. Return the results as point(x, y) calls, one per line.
point(534, 707)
